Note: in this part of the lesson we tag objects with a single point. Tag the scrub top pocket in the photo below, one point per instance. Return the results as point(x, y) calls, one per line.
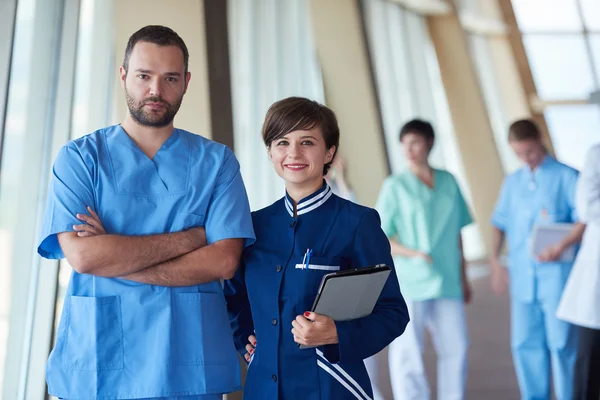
point(94, 334)
point(203, 332)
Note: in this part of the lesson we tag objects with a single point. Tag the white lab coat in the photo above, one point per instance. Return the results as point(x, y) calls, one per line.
point(580, 302)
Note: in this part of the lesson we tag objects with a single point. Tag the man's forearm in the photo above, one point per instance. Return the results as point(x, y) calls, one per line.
point(574, 236)
point(497, 241)
point(210, 263)
point(116, 255)
point(463, 260)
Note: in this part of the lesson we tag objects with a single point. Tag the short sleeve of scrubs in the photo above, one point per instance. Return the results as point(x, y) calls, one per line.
point(69, 193)
point(502, 210)
point(570, 182)
point(463, 209)
point(387, 207)
point(228, 214)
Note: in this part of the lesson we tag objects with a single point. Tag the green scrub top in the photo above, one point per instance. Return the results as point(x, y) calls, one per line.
point(427, 220)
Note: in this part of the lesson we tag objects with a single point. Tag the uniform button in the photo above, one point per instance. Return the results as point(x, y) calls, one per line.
point(278, 268)
point(292, 224)
point(274, 321)
point(274, 378)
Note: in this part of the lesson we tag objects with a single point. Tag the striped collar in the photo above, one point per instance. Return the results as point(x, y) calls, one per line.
point(309, 203)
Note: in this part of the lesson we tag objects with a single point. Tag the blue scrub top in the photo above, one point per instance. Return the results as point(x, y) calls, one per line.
point(544, 196)
point(123, 339)
point(271, 288)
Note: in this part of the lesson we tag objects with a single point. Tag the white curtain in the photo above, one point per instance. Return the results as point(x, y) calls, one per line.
point(272, 57)
point(409, 86)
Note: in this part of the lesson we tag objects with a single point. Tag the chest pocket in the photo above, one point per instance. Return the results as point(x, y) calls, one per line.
point(553, 213)
point(320, 264)
point(309, 275)
point(554, 205)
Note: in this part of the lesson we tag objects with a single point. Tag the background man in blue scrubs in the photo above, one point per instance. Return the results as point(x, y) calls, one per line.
point(540, 193)
point(150, 217)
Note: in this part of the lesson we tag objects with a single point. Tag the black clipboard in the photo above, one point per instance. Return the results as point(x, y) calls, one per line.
point(350, 294)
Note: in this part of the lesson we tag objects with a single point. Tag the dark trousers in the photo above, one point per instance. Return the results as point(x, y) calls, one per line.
point(587, 368)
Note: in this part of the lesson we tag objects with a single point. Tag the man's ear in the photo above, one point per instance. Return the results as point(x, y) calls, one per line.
point(122, 76)
point(188, 76)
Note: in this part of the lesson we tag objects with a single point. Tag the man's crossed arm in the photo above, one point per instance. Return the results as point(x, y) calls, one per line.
point(170, 259)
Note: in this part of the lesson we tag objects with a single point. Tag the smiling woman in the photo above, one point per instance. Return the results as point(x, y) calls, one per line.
point(309, 225)
point(302, 138)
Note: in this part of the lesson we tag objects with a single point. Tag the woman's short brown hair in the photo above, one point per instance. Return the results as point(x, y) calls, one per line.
point(523, 130)
point(299, 113)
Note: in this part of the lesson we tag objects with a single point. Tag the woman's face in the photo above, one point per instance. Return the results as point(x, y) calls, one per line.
point(299, 157)
point(416, 148)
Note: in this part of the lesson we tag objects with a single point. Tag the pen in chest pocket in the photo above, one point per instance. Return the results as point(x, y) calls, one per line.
point(306, 259)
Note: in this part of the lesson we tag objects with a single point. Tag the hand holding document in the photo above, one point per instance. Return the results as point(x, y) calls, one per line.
point(545, 243)
point(350, 294)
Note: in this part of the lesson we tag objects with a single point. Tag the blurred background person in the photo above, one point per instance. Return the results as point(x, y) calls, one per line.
point(541, 192)
point(581, 298)
point(336, 179)
point(422, 212)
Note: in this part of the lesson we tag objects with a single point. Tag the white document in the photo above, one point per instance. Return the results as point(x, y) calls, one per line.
point(545, 236)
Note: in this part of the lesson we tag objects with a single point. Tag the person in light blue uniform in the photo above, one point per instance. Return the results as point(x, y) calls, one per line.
point(306, 234)
point(150, 217)
point(540, 193)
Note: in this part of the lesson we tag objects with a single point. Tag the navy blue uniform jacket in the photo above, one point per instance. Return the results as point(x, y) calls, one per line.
point(274, 285)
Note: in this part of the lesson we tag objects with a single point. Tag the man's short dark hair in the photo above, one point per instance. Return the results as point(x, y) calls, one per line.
point(160, 36)
point(418, 127)
point(523, 130)
point(298, 113)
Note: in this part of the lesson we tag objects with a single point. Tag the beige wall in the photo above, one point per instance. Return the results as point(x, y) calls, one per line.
point(187, 19)
point(470, 118)
point(349, 91)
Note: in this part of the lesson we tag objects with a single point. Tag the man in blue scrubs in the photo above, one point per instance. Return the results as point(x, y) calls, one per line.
point(540, 193)
point(151, 218)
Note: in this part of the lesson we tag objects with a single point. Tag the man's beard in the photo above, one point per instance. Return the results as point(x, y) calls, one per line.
point(144, 118)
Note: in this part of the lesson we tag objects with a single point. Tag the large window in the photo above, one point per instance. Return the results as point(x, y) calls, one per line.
point(490, 88)
point(561, 38)
point(272, 57)
point(50, 91)
point(14, 158)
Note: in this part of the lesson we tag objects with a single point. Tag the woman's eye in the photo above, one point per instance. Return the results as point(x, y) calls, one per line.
point(307, 142)
point(282, 143)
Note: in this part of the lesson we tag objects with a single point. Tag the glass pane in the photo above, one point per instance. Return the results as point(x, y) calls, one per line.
point(547, 15)
point(560, 65)
point(490, 88)
point(591, 14)
point(14, 155)
point(573, 130)
point(595, 48)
